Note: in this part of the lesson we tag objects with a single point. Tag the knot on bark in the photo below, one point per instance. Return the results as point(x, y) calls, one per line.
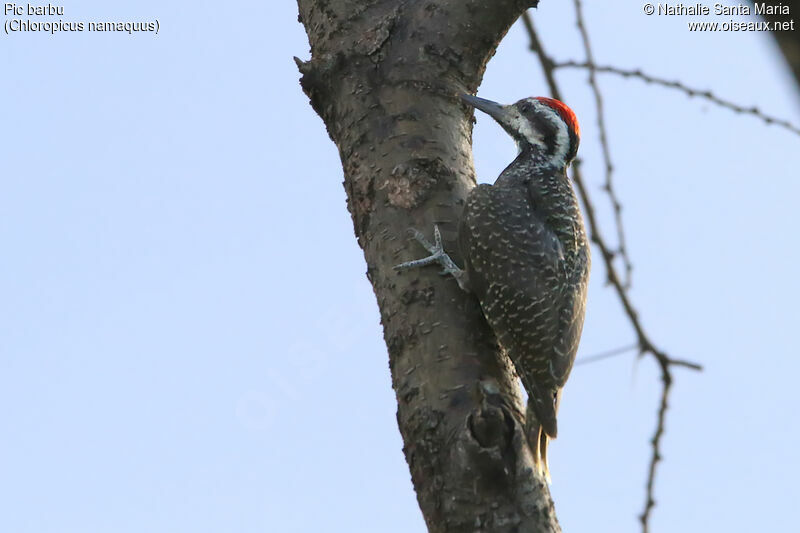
point(486, 449)
point(491, 425)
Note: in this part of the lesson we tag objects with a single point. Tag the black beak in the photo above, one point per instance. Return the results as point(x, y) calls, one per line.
point(493, 109)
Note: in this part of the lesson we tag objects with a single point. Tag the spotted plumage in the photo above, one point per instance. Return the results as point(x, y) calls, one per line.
point(526, 255)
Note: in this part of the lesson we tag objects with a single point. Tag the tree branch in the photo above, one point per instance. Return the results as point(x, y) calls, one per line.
point(688, 91)
point(622, 249)
point(384, 77)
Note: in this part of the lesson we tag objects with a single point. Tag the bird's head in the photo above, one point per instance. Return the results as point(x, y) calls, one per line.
point(546, 127)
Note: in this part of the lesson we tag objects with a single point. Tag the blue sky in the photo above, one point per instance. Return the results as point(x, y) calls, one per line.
point(188, 341)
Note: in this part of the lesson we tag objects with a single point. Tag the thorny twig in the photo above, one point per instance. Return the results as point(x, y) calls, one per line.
point(622, 249)
point(645, 345)
point(689, 91)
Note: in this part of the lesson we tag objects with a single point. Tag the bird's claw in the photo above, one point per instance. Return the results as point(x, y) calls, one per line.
point(438, 255)
point(435, 249)
point(420, 238)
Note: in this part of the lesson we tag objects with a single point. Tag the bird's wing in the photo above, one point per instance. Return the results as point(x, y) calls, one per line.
point(515, 267)
point(570, 297)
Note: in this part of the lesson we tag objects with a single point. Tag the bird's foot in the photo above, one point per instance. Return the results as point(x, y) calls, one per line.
point(438, 255)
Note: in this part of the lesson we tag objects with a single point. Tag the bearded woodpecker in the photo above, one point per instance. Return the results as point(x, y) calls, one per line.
point(526, 255)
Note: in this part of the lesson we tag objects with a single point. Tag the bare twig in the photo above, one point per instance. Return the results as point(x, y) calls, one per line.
point(608, 187)
point(606, 355)
point(689, 91)
point(645, 345)
point(666, 379)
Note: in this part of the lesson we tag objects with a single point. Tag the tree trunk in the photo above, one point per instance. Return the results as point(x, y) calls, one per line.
point(384, 77)
point(788, 40)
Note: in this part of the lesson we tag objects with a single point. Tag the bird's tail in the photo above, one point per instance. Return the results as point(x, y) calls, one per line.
point(539, 447)
point(544, 407)
point(540, 429)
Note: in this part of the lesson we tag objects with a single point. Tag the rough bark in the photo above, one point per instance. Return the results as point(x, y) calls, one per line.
point(788, 41)
point(384, 76)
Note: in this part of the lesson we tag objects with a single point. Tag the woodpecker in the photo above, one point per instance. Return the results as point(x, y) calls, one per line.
point(526, 256)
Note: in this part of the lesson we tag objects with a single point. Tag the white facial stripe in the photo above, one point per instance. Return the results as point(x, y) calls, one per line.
point(523, 125)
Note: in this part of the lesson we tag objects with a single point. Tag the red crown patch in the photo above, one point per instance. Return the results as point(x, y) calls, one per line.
point(562, 109)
